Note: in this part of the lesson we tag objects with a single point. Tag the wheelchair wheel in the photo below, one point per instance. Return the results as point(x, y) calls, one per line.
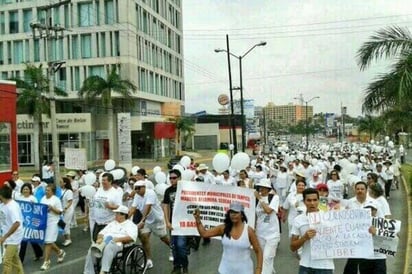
point(135, 261)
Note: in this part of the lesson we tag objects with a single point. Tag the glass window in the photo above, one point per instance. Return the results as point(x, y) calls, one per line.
point(25, 150)
point(18, 52)
point(13, 22)
point(2, 24)
point(5, 146)
point(109, 12)
point(86, 14)
point(36, 50)
point(27, 19)
point(86, 45)
point(75, 47)
point(97, 70)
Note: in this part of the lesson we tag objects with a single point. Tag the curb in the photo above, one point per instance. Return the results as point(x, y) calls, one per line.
point(409, 227)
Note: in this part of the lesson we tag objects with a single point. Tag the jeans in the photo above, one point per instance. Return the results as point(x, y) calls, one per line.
point(309, 270)
point(11, 260)
point(179, 251)
point(352, 266)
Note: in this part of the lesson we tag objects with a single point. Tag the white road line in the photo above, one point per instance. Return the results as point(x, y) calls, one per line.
point(58, 266)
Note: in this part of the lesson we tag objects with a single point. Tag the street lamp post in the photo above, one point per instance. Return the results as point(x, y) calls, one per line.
point(242, 110)
point(306, 117)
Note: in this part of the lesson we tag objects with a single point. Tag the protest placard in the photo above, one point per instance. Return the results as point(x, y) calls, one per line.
point(34, 221)
point(213, 202)
point(386, 239)
point(341, 234)
point(75, 158)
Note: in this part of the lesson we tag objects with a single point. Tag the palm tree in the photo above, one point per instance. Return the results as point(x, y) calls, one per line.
point(394, 88)
point(32, 99)
point(185, 129)
point(372, 125)
point(95, 87)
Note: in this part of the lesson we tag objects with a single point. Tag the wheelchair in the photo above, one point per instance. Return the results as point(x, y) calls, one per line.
point(130, 260)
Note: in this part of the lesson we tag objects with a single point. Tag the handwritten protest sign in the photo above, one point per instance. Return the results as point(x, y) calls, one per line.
point(341, 234)
point(34, 221)
point(75, 158)
point(213, 202)
point(386, 240)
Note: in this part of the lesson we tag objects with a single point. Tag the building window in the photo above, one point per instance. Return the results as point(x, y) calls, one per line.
point(18, 52)
point(2, 23)
point(86, 14)
point(36, 50)
point(86, 45)
point(5, 146)
point(109, 12)
point(25, 150)
point(13, 22)
point(27, 19)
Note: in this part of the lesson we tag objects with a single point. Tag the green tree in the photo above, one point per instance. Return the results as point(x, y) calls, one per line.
point(98, 88)
point(372, 125)
point(185, 128)
point(394, 88)
point(33, 100)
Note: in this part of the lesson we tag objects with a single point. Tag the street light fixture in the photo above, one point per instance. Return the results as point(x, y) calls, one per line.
point(306, 118)
point(240, 57)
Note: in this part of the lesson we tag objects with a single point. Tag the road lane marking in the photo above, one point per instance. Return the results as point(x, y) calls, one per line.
point(57, 266)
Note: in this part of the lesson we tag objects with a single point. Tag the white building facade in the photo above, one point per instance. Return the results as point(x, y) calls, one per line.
point(142, 39)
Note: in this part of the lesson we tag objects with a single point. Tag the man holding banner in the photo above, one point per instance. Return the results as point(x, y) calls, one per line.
point(11, 221)
point(302, 234)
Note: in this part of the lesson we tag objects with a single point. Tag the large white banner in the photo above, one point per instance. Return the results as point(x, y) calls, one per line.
point(386, 239)
point(75, 158)
point(213, 202)
point(341, 234)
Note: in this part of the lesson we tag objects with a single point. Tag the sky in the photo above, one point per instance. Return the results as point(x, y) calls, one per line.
point(311, 50)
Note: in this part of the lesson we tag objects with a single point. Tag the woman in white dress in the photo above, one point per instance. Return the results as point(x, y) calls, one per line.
point(52, 230)
point(237, 237)
point(335, 186)
point(68, 208)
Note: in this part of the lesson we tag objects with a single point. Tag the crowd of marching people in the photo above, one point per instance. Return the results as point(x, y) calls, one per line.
point(123, 208)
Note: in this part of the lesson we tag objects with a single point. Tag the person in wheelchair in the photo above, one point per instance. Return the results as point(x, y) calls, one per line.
point(110, 241)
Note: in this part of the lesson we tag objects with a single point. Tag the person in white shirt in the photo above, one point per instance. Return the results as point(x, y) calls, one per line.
point(105, 200)
point(68, 208)
point(152, 218)
point(267, 224)
point(11, 223)
point(203, 172)
point(302, 234)
point(48, 172)
point(388, 169)
point(376, 192)
point(281, 184)
point(294, 205)
point(19, 182)
point(397, 173)
point(114, 236)
point(359, 201)
point(142, 175)
point(335, 186)
point(75, 189)
point(382, 177)
point(225, 179)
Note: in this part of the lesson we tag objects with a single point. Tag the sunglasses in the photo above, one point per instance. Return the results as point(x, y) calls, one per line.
point(15, 174)
point(368, 177)
point(334, 174)
point(172, 177)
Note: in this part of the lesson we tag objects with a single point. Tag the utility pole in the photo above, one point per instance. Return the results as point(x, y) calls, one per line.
point(51, 32)
point(234, 137)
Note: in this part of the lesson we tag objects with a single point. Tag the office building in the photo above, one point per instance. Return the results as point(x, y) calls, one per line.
point(143, 40)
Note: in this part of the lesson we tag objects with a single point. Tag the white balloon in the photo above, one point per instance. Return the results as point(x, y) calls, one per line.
point(387, 138)
point(185, 161)
point(188, 175)
point(89, 178)
point(221, 162)
point(134, 170)
point(179, 167)
point(391, 144)
point(87, 191)
point(161, 188)
point(109, 165)
point(160, 178)
point(117, 174)
point(156, 169)
point(240, 161)
point(231, 147)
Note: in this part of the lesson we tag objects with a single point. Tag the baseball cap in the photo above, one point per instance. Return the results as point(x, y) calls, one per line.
point(371, 204)
point(122, 209)
point(71, 173)
point(264, 183)
point(236, 206)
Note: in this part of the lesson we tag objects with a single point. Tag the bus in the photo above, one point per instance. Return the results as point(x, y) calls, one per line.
point(8, 130)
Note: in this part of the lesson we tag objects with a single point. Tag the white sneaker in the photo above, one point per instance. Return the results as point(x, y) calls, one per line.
point(149, 264)
point(61, 256)
point(67, 242)
point(171, 256)
point(45, 265)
